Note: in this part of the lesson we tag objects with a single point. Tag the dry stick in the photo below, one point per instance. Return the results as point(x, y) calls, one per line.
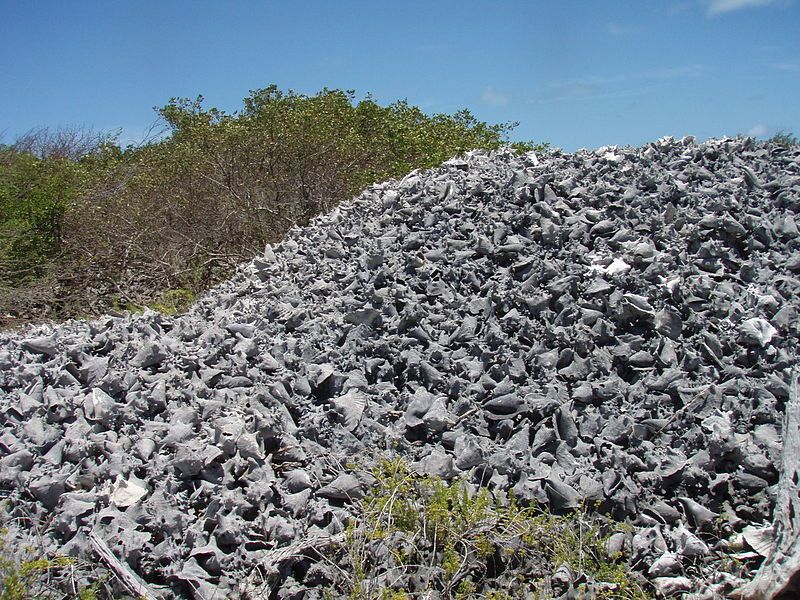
point(269, 563)
point(128, 578)
point(702, 392)
point(779, 576)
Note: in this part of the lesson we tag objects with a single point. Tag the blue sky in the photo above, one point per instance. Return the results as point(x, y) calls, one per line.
point(576, 74)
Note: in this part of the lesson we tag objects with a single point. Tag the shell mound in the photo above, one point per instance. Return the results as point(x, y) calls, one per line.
point(615, 327)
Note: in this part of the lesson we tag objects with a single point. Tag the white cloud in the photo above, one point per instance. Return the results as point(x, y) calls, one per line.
point(490, 96)
point(615, 86)
point(621, 29)
point(693, 70)
point(718, 7)
point(757, 130)
point(677, 8)
point(786, 66)
point(331, 62)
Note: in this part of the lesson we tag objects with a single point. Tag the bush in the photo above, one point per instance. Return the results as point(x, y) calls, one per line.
point(24, 575)
point(34, 194)
point(464, 543)
point(182, 211)
point(785, 139)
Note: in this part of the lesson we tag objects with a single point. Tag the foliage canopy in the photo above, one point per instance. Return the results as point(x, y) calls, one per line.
point(86, 225)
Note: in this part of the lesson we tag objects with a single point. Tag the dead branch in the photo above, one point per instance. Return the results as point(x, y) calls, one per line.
point(779, 576)
point(129, 579)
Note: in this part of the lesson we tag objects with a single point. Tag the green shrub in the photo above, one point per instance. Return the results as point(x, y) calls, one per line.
point(34, 194)
point(173, 302)
point(785, 139)
point(26, 575)
point(181, 211)
point(41, 176)
point(465, 537)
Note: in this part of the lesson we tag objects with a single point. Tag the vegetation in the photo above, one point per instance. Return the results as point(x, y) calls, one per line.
point(31, 576)
point(86, 225)
point(785, 139)
point(464, 543)
point(452, 538)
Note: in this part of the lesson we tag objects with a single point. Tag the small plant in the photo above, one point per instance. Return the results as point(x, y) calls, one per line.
point(456, 538)
point(25, 575)
point(120, 304)
point(785, 139)
point(173, 302)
